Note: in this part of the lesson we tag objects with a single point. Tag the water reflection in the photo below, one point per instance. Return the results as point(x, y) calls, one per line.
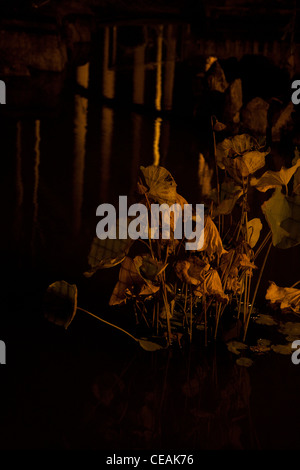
point(70, 158)
point(80, 130)
point(37, 154)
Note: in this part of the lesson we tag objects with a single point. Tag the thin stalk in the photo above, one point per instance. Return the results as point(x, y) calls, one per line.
point(256, 289)
point(294, 285)
point(107, 323)
point(263, 244)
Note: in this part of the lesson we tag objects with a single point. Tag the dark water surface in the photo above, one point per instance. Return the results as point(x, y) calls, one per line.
point(70, 143)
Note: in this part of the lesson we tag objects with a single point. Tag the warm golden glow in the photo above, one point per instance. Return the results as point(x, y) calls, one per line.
point(139, 74)
point(80, 129)
point(108, 71)
point(205, 175)
point(82, 75)
point(159, 68)
point(106, 146)
point(169, 67)
point(156, 151)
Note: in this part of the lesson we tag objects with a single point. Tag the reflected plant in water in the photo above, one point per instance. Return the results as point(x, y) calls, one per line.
point(174, 291)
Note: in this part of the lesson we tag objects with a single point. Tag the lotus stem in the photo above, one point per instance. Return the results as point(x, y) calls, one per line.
point(107, 323)
point(256, 289)
point(294, 285)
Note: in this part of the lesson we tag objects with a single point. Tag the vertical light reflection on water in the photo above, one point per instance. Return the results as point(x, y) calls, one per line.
point(158, 96)
point(109, 58)
point(156, 140)
point(19, 179)
point(37, 153)
point(169, 67)
point(80, 129)
point(159, 68)
point(205, 174)
point(136, 151)
point(107, 113)
point(139, 74)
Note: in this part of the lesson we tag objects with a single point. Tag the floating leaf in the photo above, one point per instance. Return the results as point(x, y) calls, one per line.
point(236, 346)
point(159, 185)
point(264, 319)
point(60, 303)
point(288, 298)
point(285, 349)
point(273, 179)
point(290, 329)
point(262, 346)
point(149, 345)
point(244, 362)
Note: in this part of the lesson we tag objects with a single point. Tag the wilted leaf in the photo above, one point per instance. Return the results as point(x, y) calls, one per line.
point(60, 303)
point(109, 252)
point(296, 184)
point(216, 78)
point(276, 210)
point(292, 224)
point(272, 179)
point(284, 119)
point(287, 297)
point(212, 245)
point(254, 227)
point(229, 194)
point(159, 185)
point(148, 267)
point(219, 126)
point(240, 156)
point(213, 286)
point(205, 174)
point(191, 270)
point(131, 282)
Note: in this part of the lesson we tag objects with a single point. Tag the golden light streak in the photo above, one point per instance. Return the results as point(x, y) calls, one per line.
point(108, 72)
point(159, 68)
point(156, 151)
point(80, 130)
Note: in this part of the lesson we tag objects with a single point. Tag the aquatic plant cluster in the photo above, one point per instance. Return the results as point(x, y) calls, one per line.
point(176, 292)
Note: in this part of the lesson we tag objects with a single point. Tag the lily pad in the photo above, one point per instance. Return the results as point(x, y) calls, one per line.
point(284, 349)
point(236, 346)
point(149, 345)
point(244, 362)
point(264, 319)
